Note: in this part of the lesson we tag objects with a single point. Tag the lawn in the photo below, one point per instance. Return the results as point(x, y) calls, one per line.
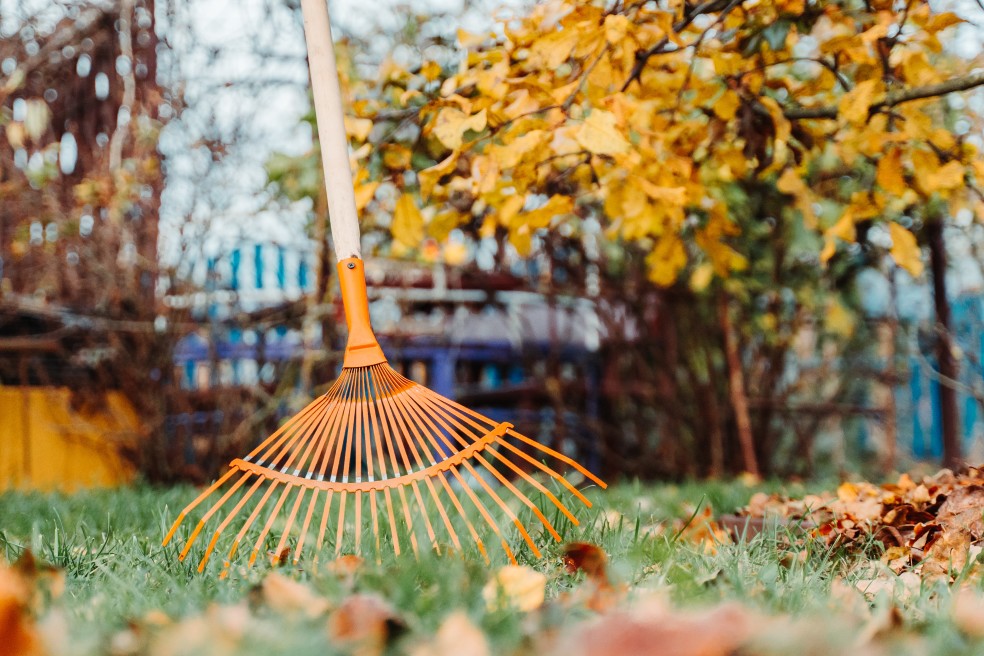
point(101, 583)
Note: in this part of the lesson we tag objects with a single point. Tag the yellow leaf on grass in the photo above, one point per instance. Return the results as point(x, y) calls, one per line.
point(517, 586)
point(905, 250)
point(889, 176)
point(457, 636)
point(600, 136)
point(854, 106)
point(452, 123)
point(408, 222)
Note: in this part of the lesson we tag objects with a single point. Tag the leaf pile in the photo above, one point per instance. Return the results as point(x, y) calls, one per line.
point(931, 527)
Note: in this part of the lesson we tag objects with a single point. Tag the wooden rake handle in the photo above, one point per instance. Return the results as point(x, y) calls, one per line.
point(331, 130)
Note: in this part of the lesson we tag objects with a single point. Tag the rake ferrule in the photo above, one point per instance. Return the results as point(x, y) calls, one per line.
point(362, 349)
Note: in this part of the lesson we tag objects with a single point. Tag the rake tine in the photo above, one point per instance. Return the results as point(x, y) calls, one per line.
point(269, 523)
point(289, 440)
point(481, 509)
point(558, 456)
point(399, 426)
point(309, 408)
point(547, 470)
point(245, 527)
point(375, 520)
point(324, 523)
point(307, 524)
point(301, 491)
point(409, 520)
point(272, 453)
point(191, 506)
point(225, 522)
point(341, 525)
point(498, 475)
point(434, 430)
point(427, 523)
point(374, 421)
point(208, 515)
point(536, 484)
point(392, 521)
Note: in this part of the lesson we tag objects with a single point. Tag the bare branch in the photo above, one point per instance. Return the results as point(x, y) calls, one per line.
point(962, 83)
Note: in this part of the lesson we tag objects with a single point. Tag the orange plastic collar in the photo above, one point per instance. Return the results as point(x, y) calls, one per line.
point(362, 349)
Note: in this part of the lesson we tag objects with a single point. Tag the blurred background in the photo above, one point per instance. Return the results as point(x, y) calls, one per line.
point(167, 292)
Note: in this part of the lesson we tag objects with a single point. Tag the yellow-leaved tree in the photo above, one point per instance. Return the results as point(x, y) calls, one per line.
point(708, 136)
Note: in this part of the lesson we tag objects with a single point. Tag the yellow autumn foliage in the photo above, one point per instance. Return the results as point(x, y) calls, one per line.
point(660, 121)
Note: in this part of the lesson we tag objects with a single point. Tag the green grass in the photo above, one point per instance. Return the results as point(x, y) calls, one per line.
point(118, 576)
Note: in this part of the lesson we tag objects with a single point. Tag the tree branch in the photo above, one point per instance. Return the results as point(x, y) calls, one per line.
point(68, 32)
point(642, 58)
point(962, 83)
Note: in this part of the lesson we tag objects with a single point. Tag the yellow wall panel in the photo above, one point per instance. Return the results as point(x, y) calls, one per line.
point(45, 444)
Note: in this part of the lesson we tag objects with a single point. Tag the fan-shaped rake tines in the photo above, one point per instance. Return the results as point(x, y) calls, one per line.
point(379, 444)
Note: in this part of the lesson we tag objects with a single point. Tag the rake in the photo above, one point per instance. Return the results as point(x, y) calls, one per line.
point(376, 443)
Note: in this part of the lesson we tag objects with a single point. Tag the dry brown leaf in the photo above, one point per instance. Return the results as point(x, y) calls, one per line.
point(963, 510)
point(517, 586)
point(597, 593)
point(457, 636)
point(948, 554)
point(703, 531)
point(18, 635)
point(346, 567)
point(968, 612)
point(654, 630)
point(588, 558)
point(365, 620)
point(289, 596)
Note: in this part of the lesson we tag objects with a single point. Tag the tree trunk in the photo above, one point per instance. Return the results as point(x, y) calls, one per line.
point(736, 387)
point(946, 363)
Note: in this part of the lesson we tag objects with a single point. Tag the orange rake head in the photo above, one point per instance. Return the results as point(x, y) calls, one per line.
point(379, 440)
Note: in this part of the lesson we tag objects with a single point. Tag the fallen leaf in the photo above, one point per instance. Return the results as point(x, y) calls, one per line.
point(289, 596)
point(18, 635)
point(968, 612)
point(720, 631)
point(964, 510)
point(586, 557)
point(365, 619)
point(517, 586)
point(346, 567)
point(457, 636)
point(597, 593)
